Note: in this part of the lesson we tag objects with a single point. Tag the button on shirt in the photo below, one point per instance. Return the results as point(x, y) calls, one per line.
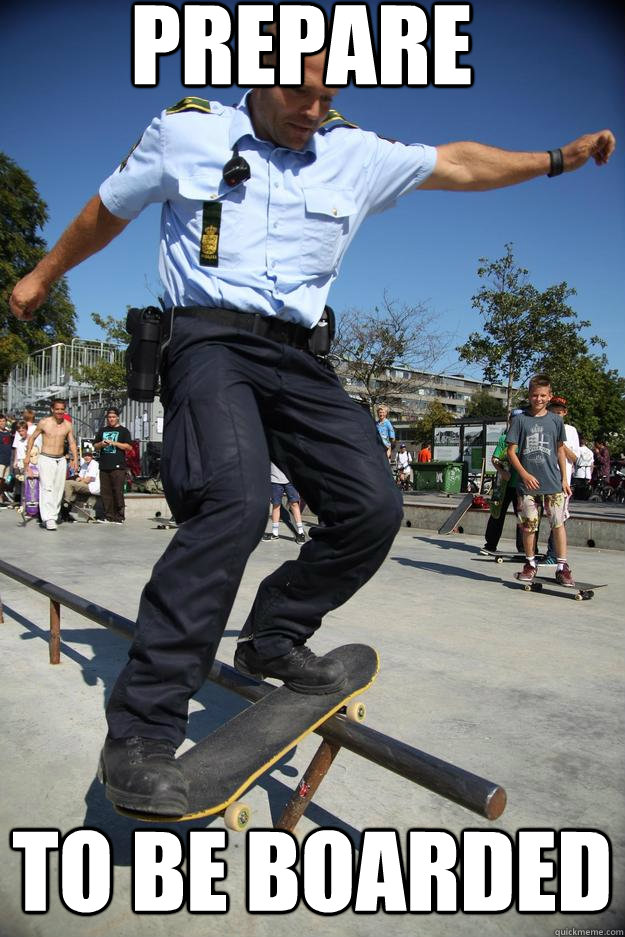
point(284, 231)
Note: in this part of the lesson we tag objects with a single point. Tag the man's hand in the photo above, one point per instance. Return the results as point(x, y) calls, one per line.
point(566, 488)
point(28, 295)
point(530, 482)
point(599, 146)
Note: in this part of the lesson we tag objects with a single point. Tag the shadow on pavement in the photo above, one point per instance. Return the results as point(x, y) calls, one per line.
point(109, 655)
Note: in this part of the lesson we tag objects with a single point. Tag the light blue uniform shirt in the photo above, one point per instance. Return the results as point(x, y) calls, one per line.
point(284, 231)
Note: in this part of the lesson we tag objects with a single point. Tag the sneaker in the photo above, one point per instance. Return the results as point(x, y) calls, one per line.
point(50, 525)
point(300, 538)
point(300, 669)
point(564, 576)
point(270, 537)
point(102, 520)
point(142, 774)
point(527, 574)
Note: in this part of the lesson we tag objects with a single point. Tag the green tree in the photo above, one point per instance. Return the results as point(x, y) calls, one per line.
point(522, 325)
point(22, 214)
point(374, 346)
point(595, 393)
point(483, 406)
point(108, 375)
point(435, 415)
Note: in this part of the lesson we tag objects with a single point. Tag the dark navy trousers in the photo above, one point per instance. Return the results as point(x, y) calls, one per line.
point(233, 400)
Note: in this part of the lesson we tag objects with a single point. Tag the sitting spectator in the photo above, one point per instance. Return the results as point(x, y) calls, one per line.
point(86, 483)
point(6, 445)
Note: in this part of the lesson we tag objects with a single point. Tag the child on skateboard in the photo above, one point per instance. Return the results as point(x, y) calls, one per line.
point(536, 450)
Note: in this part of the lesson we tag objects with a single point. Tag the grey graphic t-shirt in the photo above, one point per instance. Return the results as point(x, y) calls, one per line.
point(537, 439)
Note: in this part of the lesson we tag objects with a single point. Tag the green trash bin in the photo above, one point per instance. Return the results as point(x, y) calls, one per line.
point(452, 478)
point(438, 476)
point(428, 476)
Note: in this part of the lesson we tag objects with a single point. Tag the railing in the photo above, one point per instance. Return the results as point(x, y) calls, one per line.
point(449, 781)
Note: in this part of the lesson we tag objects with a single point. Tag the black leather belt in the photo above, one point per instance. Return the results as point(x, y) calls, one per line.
point(277, 330)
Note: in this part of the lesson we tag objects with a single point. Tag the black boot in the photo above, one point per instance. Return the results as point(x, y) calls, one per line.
point(300, 669)
point(142, 774)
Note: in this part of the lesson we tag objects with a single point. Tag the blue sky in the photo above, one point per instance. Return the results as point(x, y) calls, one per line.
point(545, 72)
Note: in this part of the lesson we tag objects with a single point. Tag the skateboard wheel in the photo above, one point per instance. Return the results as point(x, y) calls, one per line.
point(356, 711)
point(499, 559)
point(527, 587)
point(237, 817)
point(579, 596)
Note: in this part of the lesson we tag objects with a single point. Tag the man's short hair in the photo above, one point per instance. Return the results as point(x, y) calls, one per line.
point(21, 424)
point(540, 380)
point(112, 410)
point(56, 400)
point(3, 416)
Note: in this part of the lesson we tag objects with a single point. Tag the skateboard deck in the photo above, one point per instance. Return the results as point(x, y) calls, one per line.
point(580, 591)
point(221, 767)
point(457, 514)
point(503, 556)
point(163, 523)
point(87, 515)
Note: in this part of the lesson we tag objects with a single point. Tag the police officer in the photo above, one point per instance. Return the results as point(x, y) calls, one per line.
point(260, 203)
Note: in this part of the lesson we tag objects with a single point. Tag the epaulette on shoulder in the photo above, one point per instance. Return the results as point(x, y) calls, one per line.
point(190, 104)
point(334, 119)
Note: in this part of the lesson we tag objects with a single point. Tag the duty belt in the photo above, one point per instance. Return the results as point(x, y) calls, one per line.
point(277, 330)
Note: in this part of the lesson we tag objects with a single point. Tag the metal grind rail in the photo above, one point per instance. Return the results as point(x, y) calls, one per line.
point(456, 784)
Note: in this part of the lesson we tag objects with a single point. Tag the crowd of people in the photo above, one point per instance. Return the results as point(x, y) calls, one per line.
point(42, 475)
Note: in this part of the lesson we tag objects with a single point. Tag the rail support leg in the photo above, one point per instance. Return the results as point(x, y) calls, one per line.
point(307, 787)
point(55, 632)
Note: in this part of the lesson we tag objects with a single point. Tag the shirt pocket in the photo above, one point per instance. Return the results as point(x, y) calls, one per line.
point(328, 213)
point(213, 217)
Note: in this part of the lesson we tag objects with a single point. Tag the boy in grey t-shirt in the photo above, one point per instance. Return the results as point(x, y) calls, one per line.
point(535, 449)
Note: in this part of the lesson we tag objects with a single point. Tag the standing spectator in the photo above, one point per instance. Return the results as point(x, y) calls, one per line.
point(5, 458)
point(113, 442)
point(55, 432)
point(582, 472)
point(404, 461)
point(280, 485)
point(385, 429)
point(602, 461)
point(558, 406)
point(28, 417)
point(507, 480)
point(425, 454)
point(19, 451)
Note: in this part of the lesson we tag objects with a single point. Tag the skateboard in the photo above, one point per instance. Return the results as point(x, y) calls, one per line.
point(163, 523)
point(580, 591)
point(503, 556)
point(87, 515)
point(221, 767)
point(456, 515)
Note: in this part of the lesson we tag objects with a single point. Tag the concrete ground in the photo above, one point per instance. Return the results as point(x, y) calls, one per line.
point(524, 689)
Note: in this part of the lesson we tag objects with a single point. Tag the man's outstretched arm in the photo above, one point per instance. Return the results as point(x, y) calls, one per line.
point(88, 233)
point(474, 167)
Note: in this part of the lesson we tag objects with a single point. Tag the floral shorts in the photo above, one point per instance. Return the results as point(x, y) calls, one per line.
point(529, 508)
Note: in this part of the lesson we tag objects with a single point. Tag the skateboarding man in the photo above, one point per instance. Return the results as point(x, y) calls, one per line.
point(536, 440)
point(56, 432)
point(260, 203)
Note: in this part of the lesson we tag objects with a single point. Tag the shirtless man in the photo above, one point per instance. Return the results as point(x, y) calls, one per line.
point(52, 465)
